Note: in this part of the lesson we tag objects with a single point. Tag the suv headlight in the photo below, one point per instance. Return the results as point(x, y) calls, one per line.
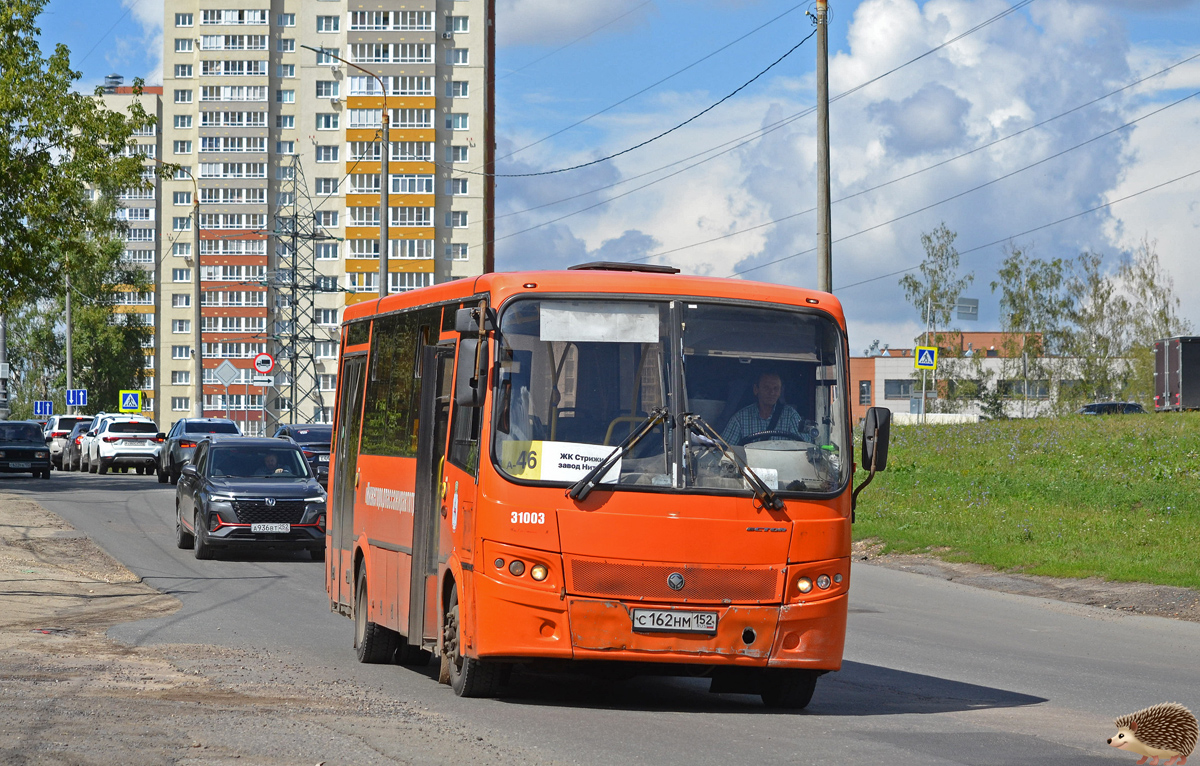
point(222, 505)
point(314, 508)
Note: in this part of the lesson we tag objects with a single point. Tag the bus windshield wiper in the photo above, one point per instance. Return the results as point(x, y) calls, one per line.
point(765, 495)
point(582, 488)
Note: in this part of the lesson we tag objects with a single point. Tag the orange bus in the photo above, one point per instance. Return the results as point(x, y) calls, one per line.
point(612, 465)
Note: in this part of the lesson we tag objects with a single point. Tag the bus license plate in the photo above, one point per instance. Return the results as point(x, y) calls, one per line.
point(270, 527)
point(674, 621)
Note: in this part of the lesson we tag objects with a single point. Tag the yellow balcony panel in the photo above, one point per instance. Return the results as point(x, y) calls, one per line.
point(353, 298)
point(121, 308)
point(362, 134)
point(410, 232)
point(395, 265)
point(410, 134)
point(363, 166)
point(362, 200)
point(393, 102)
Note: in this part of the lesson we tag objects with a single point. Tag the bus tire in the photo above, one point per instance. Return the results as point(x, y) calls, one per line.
point(789, 689)
point(374, 643)
point(468, 677)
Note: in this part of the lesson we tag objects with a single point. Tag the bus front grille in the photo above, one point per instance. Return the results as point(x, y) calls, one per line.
point(653, 581)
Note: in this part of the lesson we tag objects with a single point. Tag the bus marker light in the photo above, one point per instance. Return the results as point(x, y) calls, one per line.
point(804, 585)
point(517, 568)
point(813, 301)
point(529, 285)
point(823, 582)
point(538, 572)
point(499, 563)
point(837, 578)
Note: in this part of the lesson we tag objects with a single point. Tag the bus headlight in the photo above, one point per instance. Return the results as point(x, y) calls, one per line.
point(539, 572)
point(516, 568)
point(823, 582)
point(804, 585)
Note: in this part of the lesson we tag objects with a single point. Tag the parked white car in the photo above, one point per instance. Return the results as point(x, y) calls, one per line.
point(85, 444)
point(125, 442)
point(57, 429)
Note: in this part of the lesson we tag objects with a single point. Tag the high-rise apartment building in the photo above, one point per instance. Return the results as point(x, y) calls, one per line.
point(268, 123)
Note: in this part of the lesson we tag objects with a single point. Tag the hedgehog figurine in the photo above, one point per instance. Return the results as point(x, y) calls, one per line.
point(1163, 731)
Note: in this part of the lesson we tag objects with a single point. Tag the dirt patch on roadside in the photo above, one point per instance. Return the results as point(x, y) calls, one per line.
point(1132, 597)
point(70, 695)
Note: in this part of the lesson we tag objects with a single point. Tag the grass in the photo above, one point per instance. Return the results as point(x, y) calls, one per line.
point(1114, 497)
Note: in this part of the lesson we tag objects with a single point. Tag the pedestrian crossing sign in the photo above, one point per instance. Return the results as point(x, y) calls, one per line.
point(926, 358)
point(131, 401)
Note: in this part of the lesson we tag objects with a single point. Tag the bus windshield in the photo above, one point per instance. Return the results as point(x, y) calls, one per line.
point(577, 377)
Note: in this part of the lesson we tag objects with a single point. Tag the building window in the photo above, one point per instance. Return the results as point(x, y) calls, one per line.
point(285, 147)
point(458, 187)
point(456, 153)
point(183, 147)
point(286, 20)
point(457, 57)
point(456, 89)
point(181, 223)
point(457, 122)
point(181, 275)
point(183, 97)
point(325, 317)
point(864, 392)
point(327, 251)
point(325, 349)
point(327, 89)
point(183, 71)
point(182, 198)
point(456, 219)
point(285, 45)
point(181, 326)
point(285, 173)
point(180, 403)
point(412, 184)
point(181, 377)
point(411, 216)
point(327, 382)
point(183, 20)
point(325, 56)
point(183, 45)
point(181, 352)
point(328, 23)
point(182, 249)
point(456, 251)
point(327, 154)
point(285, 70)
point(285, 121)
point(898, 389)
point(181, 301)
point(182, 173)
point(327, 121)
point(327, 186)
point(285, 96)
point(183, 121)
point(457, 24)
point(326, 218)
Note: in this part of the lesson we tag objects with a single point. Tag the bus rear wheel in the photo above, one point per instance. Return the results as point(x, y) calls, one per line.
point(468, 677)
point(374, 643)
point(789, 689)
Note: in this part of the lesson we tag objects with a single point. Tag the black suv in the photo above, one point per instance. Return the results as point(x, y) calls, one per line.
point(314, 440)
point(23, 448)
point(181, 442)
point(249, 492)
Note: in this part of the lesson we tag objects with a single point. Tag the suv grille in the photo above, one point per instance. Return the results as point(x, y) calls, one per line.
point(258, 512)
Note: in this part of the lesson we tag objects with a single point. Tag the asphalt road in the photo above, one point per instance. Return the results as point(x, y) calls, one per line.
point(935, 672)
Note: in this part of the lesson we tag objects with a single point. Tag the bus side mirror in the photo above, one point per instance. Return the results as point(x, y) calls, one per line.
point(877, 426)
point(467, 320)
point(470, 384)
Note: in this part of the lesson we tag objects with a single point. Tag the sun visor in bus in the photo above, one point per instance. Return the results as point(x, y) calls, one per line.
point(599, 322)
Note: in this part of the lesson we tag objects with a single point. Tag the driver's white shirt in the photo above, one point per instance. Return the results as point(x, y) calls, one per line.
point(747, 421)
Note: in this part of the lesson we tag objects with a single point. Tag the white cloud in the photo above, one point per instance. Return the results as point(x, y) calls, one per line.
point(149, 15)
point(555, 22)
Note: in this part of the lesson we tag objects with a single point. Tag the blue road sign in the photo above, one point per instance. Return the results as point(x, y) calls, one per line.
point(926, 358)
point(131, 401)
point(43, 409)
point(76, 397)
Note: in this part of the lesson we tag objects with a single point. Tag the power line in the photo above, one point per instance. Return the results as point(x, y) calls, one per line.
point(104, 36)
point(978, 187)
point(651, 86)
point(666, 132)
point(576, 40)
point(1035, 229)
point(935, 165)
point(747, 138)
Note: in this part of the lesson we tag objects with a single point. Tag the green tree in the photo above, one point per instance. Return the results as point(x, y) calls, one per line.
point(54, 143)
point(935, 293)
point(1154, 313)
point(1098, 340)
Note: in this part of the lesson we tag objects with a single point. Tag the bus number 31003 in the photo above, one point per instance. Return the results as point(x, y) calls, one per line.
point(528, 517)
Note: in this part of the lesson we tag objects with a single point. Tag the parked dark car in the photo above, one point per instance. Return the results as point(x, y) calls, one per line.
point(23, 448)
point(1111, 408)
point(181, 441)
point(251, 493)
point(314, 440)
point(72, 445)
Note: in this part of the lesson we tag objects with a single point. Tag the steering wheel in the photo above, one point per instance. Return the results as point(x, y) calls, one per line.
point(763, 436)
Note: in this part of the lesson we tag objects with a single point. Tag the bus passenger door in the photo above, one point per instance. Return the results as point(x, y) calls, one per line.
point(437, 382)
point(340, 519)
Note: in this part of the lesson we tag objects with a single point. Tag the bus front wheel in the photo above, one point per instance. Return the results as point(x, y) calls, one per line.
point(373, 642)
point(789, 689)
point(468, 677)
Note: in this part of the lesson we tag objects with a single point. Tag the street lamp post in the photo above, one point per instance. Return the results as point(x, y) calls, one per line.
point(384, 155)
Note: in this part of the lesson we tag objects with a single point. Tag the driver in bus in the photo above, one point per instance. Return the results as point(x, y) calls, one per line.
point(769, 414)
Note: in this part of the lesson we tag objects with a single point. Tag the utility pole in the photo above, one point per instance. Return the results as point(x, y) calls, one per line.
point(197, 317)
point(4, 405)
point(385, 185)
point(824, 217)
point(70, 358)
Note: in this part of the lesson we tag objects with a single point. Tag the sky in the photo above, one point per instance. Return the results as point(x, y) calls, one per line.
point(1008, 135)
